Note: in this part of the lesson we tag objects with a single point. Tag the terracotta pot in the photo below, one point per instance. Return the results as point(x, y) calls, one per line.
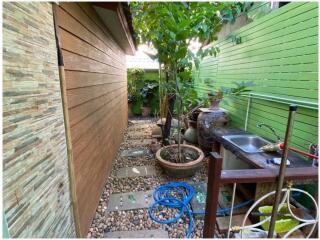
point(181, 170)
point(214, 103)
point(145, 111)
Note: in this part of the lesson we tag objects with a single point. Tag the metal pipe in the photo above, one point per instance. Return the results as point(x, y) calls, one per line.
point(247, 113)
point(304, 104)
point(232, 205)
point(260, 125)
point(292, 111)
point(282, 100)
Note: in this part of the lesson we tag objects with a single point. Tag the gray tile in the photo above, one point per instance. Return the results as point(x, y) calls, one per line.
point(135, 152)
point(250, 234)
point(198, 202)
point(144, 141)
point(136, 171)
point(156, 233)
point(130, 200)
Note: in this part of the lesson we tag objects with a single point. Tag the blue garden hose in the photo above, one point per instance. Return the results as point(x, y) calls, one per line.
point(163, 196)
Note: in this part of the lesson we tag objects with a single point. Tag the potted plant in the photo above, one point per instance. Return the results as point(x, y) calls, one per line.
point(170, 27)
point(186, 165)
point(215, 98)
point(147, 92)
point(215, 117)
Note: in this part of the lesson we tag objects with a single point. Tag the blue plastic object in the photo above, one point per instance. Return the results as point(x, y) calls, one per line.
point(163, 196)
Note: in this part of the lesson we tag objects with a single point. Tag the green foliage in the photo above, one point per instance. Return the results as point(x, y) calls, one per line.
point(240, 88)
point(171, 26)
point(135, 75)
point(148, 92)
point(190, 98)
point(141, 91)
point(230, 13)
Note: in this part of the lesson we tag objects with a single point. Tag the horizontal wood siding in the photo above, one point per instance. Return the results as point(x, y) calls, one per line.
point(96, 81)
point(279, 53)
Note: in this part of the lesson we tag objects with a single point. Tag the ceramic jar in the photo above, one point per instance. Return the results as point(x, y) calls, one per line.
point(208, 121)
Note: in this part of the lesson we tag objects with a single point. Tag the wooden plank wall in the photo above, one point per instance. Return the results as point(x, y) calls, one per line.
point(97, 100)
point(279, 52)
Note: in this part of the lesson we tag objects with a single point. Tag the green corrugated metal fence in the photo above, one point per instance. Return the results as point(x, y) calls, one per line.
point(279, 53)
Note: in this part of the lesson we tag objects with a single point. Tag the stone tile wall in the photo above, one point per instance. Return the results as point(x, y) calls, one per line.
point(36, 196)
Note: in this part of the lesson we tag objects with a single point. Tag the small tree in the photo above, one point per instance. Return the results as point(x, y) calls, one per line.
point(170, 27)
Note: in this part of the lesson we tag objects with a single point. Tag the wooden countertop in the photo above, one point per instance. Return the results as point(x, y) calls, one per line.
point(256, 159)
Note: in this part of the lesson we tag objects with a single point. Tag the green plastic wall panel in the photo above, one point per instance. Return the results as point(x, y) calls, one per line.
point(279, 53)
point(5, 230)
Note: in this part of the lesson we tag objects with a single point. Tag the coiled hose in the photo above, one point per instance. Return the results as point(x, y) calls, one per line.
point(163, 195)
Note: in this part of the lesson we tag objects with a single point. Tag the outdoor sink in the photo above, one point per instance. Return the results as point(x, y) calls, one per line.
point(247, 143)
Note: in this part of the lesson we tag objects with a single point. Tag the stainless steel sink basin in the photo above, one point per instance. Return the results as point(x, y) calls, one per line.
point(247, 143)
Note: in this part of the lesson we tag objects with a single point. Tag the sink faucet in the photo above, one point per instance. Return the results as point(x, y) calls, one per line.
point(260, 125)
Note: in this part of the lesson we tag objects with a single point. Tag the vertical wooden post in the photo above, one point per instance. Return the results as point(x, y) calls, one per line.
point(214, 175)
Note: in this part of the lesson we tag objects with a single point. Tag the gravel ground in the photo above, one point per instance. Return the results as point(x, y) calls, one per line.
point(138, 219)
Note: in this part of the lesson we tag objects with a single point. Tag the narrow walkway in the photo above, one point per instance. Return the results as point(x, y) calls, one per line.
point(129, 176)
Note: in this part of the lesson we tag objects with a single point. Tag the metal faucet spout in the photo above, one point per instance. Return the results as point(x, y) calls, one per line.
point(260, 125)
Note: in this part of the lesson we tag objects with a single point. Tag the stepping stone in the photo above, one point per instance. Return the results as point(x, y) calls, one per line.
point(250, 234)
point(135, 152)
point(140, 141)
point(156, 233)
point(139, 135)
point(140, 125)
point(198, 202)
point(130, 200)
point(138, 171)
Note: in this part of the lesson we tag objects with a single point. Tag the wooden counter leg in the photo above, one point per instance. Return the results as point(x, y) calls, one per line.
point(214, 174)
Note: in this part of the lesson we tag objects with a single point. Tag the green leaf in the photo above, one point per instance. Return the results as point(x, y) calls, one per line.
point(181, 53)
point(173, 36)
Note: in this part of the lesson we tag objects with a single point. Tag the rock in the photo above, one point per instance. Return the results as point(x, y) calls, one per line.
point(200, 226)
point(133, 220)
point(136, 221)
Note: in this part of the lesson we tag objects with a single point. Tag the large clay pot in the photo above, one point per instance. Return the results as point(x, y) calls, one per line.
point(191, 135)
point(208, 121)
point(174, 123)
point(214, 103)
point(180, 170)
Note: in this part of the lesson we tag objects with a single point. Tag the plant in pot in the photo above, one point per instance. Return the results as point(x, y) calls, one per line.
point(147, 92)
point(190, 108)
point(216, 117)
point(170, 27)
point(216, 96)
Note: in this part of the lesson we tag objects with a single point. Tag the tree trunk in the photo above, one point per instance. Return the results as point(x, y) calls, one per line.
point(171, 97)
